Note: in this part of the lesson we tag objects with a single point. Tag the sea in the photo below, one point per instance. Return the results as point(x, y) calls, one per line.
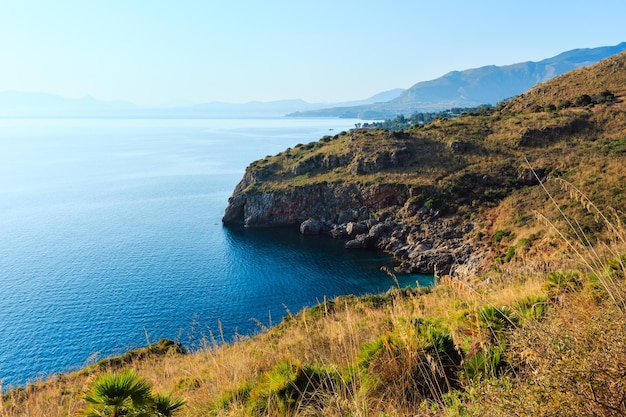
point(111, 238)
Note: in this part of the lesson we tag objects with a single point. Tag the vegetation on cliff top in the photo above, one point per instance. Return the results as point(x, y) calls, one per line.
point(539, 331)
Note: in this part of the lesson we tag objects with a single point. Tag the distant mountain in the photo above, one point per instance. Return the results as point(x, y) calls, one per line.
point(472, 87)
point(377, 98)
point(28, 104)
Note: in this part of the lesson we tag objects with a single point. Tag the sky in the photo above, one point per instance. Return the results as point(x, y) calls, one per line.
point(157, 52)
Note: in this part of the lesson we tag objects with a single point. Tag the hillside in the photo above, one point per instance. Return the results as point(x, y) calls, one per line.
point(520, 209)
point(472, 87)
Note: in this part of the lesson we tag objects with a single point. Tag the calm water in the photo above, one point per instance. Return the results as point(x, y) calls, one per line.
point(110, 235)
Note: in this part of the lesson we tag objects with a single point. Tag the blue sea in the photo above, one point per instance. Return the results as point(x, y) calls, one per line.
point(111, 237)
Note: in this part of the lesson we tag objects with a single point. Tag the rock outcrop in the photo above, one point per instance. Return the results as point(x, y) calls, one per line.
point(361, 215)
point(330, 204)
point(376, 190)
point(419, 193)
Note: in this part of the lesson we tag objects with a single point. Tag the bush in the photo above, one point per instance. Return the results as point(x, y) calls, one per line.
point(531, 307)
point(124, 394)
point(563, 282)
point(500, 234)
point(489, 363)
point(582, 100)
point(563, 104)
point(416, 361)
point(496, 321)
point(289, 385)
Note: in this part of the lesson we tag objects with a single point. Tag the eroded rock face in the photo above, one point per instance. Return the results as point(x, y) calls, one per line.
point(345, 211)
point(364, 213)
point(435, 246)
point(324, 202)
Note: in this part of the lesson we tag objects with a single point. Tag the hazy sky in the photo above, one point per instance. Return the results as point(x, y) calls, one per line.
point(155, 52)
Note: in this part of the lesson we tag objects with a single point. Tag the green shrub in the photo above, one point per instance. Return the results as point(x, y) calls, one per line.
point(582, 100)
point(500, 234)
point(510, 253)
point(617, 265)
point(531, 307)
point(563, 282)
point(563, 104)
point(124, 394)
point(489, 363)
point(496, 321)
point(289, 385)
point(414, 362)
point(549, 107)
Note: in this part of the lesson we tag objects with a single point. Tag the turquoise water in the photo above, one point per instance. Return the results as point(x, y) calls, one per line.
point(110, 236)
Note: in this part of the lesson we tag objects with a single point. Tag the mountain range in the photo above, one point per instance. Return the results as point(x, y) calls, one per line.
point(485, 85)
point(472, 87)
point(34, 104)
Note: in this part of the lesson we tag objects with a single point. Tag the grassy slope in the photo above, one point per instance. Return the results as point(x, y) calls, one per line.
point(539, 332)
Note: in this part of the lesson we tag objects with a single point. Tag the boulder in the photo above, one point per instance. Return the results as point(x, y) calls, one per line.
point(361, 241)
point(355, 244)
point(355, 229)
point(338, 231)
point(377, 230)
point(347, 216)
point(311, 227)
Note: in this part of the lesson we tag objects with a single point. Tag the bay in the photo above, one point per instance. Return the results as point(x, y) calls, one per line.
point(111, 237)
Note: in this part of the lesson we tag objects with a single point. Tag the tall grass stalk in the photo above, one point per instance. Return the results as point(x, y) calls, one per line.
point(587, 251)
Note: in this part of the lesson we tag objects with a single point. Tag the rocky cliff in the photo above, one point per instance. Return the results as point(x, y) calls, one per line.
point(344, 186)
point(365, 216)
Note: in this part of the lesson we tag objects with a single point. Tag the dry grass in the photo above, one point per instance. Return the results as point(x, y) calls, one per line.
point(565, 358)
point(332, 334)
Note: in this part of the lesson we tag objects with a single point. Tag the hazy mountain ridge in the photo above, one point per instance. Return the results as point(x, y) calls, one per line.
point(472, 87)
point(34, 104)
point(23, 104)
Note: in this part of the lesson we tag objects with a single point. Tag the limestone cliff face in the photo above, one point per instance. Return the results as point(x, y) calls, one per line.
point(266, 196)
point(328, 203)
point(362, 215)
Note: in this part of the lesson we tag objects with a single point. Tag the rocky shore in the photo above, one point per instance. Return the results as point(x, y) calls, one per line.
point(434, 246)
point(365, 217)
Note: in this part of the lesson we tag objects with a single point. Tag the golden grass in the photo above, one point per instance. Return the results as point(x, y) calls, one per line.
point(331, 334)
